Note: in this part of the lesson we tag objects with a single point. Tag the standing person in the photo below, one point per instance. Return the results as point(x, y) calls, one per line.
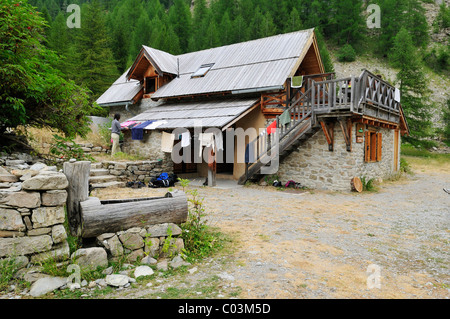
point(115, 134)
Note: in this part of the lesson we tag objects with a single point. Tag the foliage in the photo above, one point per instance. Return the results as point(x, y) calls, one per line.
point(438, 59)
point(413, 85)
point(405, 167)
point(32, 91)
point(199, 239)
point(368, 184)
point(64, 148)
point(8, 268)
point(442, 20)
point(446, 119)
point(346, 54)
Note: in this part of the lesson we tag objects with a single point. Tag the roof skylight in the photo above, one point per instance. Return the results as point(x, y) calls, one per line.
point(202, 70)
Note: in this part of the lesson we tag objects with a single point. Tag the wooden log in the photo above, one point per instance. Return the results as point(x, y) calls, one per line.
point(357, 184)
point(116, 215)
point(77, 174)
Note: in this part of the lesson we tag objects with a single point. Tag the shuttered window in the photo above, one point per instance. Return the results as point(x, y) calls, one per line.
point(373, 146)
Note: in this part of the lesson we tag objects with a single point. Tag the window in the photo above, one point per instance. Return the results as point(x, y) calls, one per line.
point(150, 85)
point(373, 146)
point(202, 70)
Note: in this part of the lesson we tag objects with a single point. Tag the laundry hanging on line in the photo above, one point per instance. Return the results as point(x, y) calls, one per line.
point(137, 132)
point(285, 118)
point(128, 124)
point(155, 124)
point(185, 139)
point(272, 127)
point(167, 142)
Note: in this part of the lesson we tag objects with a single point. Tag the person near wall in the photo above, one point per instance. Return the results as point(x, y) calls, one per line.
point(115, 134)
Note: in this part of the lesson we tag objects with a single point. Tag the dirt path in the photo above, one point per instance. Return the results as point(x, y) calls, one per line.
point(320, 244)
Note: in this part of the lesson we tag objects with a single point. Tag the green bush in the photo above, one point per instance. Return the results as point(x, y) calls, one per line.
point(199, 239)
point(346, 54)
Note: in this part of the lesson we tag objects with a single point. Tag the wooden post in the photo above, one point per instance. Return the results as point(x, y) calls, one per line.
point(77, 174)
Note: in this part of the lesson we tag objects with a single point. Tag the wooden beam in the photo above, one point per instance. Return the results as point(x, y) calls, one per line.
point(328, 130)
point(346, 126)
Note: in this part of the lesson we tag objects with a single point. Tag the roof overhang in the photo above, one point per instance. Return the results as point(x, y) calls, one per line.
point(206, 114)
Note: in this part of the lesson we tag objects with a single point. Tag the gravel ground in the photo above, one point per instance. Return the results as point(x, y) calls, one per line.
point(320, 244)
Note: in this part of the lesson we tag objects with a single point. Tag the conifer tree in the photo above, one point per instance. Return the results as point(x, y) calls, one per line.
point(413, 84)
point(95, 68)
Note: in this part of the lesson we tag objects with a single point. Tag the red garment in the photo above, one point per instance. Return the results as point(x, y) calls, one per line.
point(272, 127)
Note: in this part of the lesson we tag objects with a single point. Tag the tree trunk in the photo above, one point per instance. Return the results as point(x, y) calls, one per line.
point(99, 217)
point(77, 174)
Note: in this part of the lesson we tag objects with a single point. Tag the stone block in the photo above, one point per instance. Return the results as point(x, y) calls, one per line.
point(21, 199)
point(131, 241)
point(49, 181)
point(10, 219)
point(47, 216)
point(58, 234)
point(90, 258)
point(161, 230)
point(24, 245)
point(54, 198)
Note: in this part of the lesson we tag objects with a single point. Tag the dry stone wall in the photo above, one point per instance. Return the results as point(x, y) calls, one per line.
point(137, 170)
point(32, 215)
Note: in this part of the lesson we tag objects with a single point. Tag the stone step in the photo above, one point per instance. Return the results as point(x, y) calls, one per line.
point(99, 172)
point(96, 165)
point(102, 179)
point(109, 184)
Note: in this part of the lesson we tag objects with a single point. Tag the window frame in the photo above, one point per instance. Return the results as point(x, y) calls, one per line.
point(153, 78)
point(199, 73)
point(373, 146)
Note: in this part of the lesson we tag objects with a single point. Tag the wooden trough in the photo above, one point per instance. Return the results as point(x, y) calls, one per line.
point(98, 217)
point(89, 216)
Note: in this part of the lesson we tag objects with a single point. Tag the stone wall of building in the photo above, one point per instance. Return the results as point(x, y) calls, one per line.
point(32, 215)
point(314, 166)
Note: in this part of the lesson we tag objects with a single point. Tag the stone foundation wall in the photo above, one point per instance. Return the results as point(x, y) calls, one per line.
point(314, 166)
point(155, 241)
point(32, 200)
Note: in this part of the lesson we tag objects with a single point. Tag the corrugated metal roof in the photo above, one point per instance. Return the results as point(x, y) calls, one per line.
point(258, 63)
point(166, 62)
point(261, 63)
point(121, 91)
point(190, 114)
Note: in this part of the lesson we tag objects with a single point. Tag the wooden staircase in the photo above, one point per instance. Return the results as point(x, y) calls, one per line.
point(366, 95)
point(270, 148)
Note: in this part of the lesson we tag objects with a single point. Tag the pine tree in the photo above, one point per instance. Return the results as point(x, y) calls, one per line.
point(348, 21)
point(294, 22)
point(141, 36)
point(180, 20)
point(413, 84)
point(95, 68)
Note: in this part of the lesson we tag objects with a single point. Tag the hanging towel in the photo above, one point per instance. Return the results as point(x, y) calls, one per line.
point(207, 139)
point(185, 139)
point(250, 153)
point(127, 124)
point(272, 127)
point(285, 118)
point(155, 125)
point(137, 132)
point(167, 142)
point(218, 140)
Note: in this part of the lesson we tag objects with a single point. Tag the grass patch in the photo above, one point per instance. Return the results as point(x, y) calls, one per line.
point(424, 160)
